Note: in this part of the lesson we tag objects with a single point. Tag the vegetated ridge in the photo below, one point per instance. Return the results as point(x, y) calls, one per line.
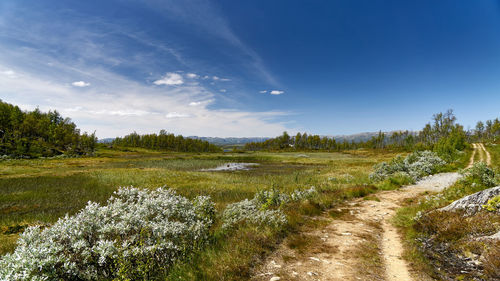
point(31, 134)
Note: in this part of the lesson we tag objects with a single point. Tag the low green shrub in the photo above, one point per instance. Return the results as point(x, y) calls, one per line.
point(493, 204)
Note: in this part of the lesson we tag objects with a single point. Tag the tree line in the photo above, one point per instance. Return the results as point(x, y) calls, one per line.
point(35, 134)
point(443, 135)
point(165, 141)
point(486, 131)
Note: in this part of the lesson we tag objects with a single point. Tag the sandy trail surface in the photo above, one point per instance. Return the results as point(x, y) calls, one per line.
point(483, 153)
point(362, 244)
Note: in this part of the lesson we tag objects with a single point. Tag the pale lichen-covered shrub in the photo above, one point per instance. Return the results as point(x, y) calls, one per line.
point(480, 171)
point(250, 211)
point(137, 233)
point(415, 166)
point(259, 211)
point(303, 194)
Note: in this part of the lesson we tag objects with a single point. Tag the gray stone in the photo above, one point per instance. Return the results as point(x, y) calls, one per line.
point(473, 203)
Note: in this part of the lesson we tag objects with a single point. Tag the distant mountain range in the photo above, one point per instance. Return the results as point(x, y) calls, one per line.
point(360, 137)
point(229, 141)
point(106, 140)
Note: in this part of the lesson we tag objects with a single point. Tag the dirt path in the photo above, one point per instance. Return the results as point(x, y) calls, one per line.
point(484, 155)
point(358, 243)
point(471, 161)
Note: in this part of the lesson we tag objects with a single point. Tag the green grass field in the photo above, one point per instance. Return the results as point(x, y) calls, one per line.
point(41, 191)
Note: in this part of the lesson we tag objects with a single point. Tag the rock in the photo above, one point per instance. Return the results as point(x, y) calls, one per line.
point(473, 203)
point(314, 259)
point(275, 265)
point(495, 236)
point(275, 278)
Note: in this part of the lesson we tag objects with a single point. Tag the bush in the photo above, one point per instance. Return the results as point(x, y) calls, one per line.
point(137, 235)
point(258, 211)
point(249, 211)
point(415, 166)
point(493, 204)
point(480, 173)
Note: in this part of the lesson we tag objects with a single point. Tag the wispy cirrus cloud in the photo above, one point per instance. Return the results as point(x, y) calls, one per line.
point(128, 90)
point(174, 114)
point(206, 16)
point(118, 106)
point(9, 73)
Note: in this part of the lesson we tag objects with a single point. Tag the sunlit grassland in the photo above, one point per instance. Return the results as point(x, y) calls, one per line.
point(41, 191)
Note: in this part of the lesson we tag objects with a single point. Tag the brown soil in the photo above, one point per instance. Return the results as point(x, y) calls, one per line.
point(358, 242)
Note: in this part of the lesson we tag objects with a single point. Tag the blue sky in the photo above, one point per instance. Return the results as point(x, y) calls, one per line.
point(251, 68)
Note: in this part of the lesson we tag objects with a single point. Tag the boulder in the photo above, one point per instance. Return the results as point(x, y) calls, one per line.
point(473, 203)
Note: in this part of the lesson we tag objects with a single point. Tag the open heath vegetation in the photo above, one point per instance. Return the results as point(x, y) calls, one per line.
point(254, 209)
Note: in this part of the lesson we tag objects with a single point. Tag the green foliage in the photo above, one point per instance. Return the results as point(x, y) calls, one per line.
point(166, 141)
point(300, 142)
point(36, 134)
point(487, 131)
point(444, 136)
point(493, 204)
point(449, 147)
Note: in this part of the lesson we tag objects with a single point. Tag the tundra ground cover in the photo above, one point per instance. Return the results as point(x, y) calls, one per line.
point(38, 192)
point(451, 244)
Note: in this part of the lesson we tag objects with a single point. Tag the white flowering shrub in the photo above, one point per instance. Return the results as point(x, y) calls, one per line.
point(416, 165)
point(258, 211)
point(270, 198)
point(136, 234)
point(299, 195)
point(482, 173)
point(249, 211)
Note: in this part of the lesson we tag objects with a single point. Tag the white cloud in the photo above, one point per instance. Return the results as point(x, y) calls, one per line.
point(205, 77)
point(217, 78)
point(222, 90)
point(9, 73)
point(276, 92)
point(263, 92)
point(174, 114)
point(192, 75)
point(80, 84)
point(203, 103)
point(120, 106)
point(170, 78)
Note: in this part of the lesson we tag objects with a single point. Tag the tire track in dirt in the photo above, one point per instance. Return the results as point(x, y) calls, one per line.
point(486, 153)
point(471, 161)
